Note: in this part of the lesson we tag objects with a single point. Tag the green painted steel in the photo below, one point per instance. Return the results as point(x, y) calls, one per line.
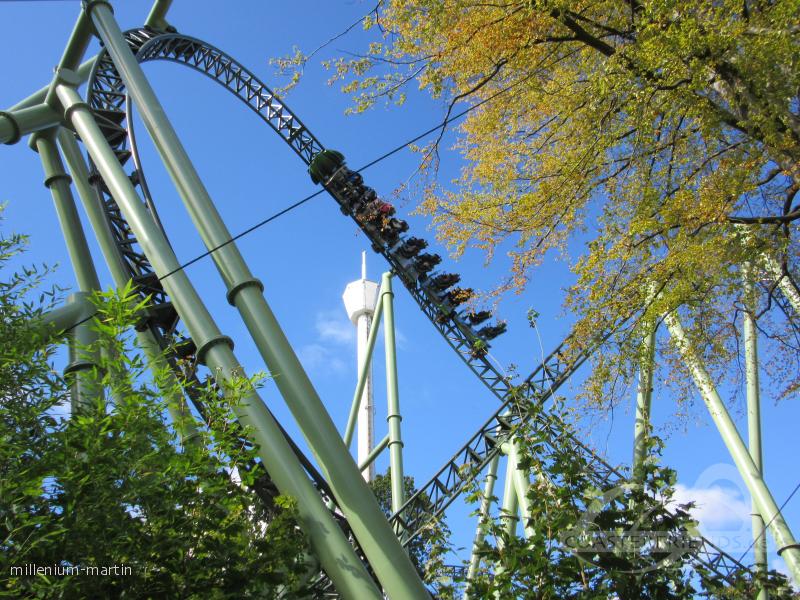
point(74, 51)
point(510, 507)
point(181, 416)
point(352, 418)
point(38, 96)
point(353, 495)
point(754, 418)
point(57, 181)
point(509, 512)
point(521, 486)
point(61, 319)
point(83, 352)
point(644, 397)
point(751, 474)
point(375, 453)
point(329, 543)
point(16, 123)
point(158, 15)
point(483, 519)
point(75, 319)
point(393, 418)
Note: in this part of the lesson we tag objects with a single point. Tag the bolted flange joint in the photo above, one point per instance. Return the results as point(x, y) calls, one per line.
point(238, 287)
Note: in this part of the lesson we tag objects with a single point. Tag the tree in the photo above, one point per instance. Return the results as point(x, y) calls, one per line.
point(658, 141)
point(112, 488)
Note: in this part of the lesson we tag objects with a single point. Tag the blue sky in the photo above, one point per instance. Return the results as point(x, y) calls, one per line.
point(308, 256)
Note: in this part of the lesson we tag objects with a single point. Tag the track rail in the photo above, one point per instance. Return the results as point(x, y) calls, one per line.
point(108, 99)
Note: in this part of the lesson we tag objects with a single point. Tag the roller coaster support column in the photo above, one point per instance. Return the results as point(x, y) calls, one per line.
point(83, 357)
point(508, 511)
point(392, 396)
point(214, 349)
point(483, 519)
point(157, 16)
point(754, 416)
point(521, 484)
point(510, 508)
point(773, 268)
point(791, 293)
point(389, 560)
point(58, 182)
point(787, 546)
point(75, 317)
point(16, 123)
point(644, 398)
point(181, 417)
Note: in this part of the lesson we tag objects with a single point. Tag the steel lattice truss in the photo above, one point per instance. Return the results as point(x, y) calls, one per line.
point(108, 99)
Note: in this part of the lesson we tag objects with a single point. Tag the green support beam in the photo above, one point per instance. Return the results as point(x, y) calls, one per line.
point(510, 507)
point(182, 419)
point(393, 418)
point(751, 474)
point(83, 360)
point(58, 182)
point(754, 417)
point(483, 520)
point(389, 560)
point(16, 123)
point(157, 17)
point(214, 349)
point(376, 452)
point(644, 398)
point(75, 319)
point(38, 96)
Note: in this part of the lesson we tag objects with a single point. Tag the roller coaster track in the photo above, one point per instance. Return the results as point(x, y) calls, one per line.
point(108, 99)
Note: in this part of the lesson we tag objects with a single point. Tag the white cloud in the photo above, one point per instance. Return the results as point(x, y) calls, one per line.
point(321, 358)
point(716, 508)
point(334, 326)
point(722, 507)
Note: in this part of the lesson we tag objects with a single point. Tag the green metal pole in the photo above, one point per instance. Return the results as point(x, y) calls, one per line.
point(39, 95)
point(57, 181)
point(36, 112)
point(83, 349)
point(83, 365)
point(787, 546)
point(75, 319)
point(376, 451)
point(483, 519)
point(16, 123)
point(352, 419)
point(181, 416)
point(773, 268)
point(644, 396)
point(754, 418)
point(786, 287)
point(521, 486)
point(334, 551)
point(508, 512)
point(510, 506)
point(92, 205)
point(77, 308)
point(393, 418)
point(389, 560)
point(157, 16)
